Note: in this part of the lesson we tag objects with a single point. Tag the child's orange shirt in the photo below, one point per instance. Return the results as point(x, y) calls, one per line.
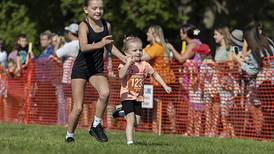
point(132, 86)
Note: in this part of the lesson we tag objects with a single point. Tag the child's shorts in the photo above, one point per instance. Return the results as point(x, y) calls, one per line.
point(132, 106)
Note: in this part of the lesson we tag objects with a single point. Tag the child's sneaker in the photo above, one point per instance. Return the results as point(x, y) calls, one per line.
point(118, 113)
point(69, 140)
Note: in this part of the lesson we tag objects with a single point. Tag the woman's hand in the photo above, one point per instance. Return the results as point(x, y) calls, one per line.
point(236, 58)
point(170, 46)
point(106, 40)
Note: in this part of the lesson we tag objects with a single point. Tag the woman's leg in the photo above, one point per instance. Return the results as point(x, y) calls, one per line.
point(208, 119)
point(190, 122)
point(78, 88)
point(257, 117)
point(197, 123)
point(100, 83)
point(215, 117)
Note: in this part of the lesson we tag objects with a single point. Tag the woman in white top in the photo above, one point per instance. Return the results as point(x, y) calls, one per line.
point(3, 55)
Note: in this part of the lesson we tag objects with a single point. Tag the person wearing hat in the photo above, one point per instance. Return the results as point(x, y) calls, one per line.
point(70, 49)
point(237, 41)
point(73, 28)
point(67, 53)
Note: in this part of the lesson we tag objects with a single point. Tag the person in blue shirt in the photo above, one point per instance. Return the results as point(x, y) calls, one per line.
point(45, 41)
point(42, 62)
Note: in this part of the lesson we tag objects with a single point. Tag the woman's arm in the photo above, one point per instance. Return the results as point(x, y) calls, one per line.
point(83, 40)
point(114, 50)
point(18, 63)
point(249, 64)
point(187, 55)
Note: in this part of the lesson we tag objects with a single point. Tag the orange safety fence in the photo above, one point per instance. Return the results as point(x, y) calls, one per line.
point(208, 99)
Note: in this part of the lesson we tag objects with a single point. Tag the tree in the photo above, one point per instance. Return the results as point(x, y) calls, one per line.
point(14, 21)
point(133, 16)
point(130, 16)
point(72, 9)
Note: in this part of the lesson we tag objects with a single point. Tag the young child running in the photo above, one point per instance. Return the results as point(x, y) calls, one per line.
point(94, 36)
point(133, 74)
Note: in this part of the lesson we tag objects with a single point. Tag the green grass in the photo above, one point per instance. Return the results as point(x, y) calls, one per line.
point(50, 139)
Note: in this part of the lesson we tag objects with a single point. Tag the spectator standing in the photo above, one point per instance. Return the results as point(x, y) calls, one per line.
point(3, 55)
point(67, 53)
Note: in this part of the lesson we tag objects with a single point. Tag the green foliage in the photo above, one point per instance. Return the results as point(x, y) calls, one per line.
point(133, 17)
point(127, 16)
point(143, 12)
point(14, 21)
point(73, 9)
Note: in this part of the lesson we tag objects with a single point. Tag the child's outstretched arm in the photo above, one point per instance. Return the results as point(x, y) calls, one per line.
point(123, 71)
point(159, 79)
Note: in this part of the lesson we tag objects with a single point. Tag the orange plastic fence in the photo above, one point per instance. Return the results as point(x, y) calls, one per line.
point(215, 100)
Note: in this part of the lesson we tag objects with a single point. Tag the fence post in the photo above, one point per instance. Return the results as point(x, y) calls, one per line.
point(28, 93)
point(160, 116)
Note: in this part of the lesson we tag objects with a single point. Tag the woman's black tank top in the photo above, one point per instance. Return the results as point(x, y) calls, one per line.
point(92, 62)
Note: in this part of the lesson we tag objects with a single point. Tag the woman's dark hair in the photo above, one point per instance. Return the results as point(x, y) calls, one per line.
point(189, 29)
point(256, 42)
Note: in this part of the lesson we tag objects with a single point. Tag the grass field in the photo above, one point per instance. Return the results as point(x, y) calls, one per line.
point(28, 139)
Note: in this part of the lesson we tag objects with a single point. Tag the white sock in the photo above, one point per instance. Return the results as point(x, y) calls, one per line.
point(69, 135)
point(96, 121)
point(129, 142)
point(118, 106)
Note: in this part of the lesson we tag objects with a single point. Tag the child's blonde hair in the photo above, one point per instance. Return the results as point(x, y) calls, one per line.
point(86, 2)
point(130, 39)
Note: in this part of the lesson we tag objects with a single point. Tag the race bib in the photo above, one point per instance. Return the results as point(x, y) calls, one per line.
point(135, 85)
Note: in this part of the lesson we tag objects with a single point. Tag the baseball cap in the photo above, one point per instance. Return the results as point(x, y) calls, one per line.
point(73, 28)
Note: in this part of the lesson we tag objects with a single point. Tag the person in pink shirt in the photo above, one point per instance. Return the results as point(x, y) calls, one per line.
point(132, 75)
